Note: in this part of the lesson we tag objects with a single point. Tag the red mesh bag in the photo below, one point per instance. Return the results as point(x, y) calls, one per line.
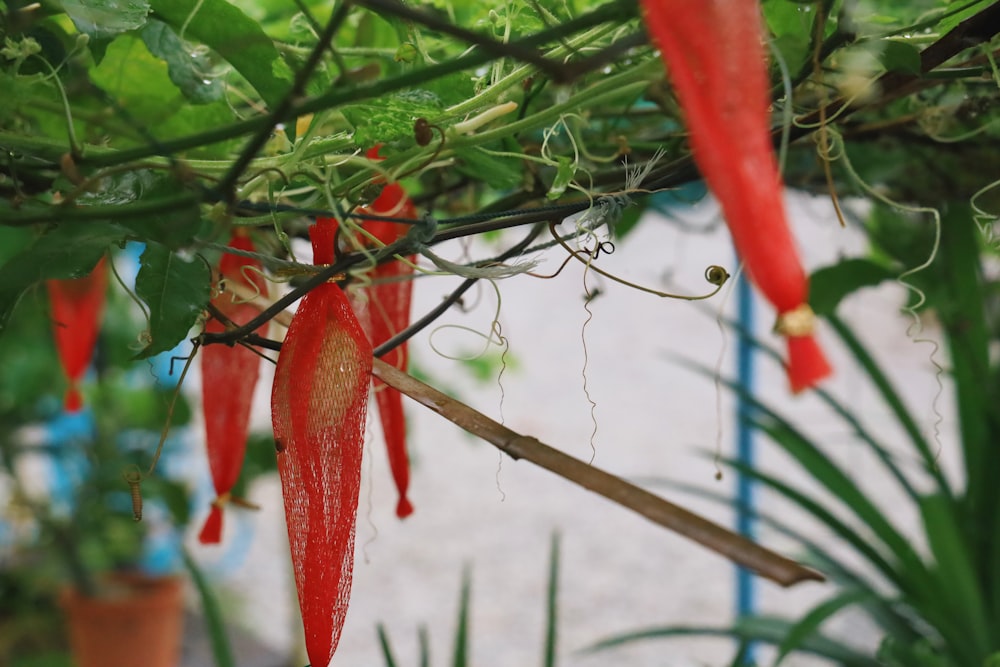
point(228, 377)
point(318, 405)
point(389, 313)
point(76, 317)
point(714, 52)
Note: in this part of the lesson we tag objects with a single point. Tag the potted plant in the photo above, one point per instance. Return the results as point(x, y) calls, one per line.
point(76, 474)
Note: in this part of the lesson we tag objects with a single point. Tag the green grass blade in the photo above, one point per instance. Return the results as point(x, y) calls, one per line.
point(960, 603)
point(837, 482)
point(461, 655)
point(222, 652)
point(424, 640)
point(383, 640)
point(765, 630)
point(809, 624)
point(892, 400)
point(742, 655)
point(551, 605)
point(827, 518)
point(881, 451)
point(879, 607)
point(826, 473)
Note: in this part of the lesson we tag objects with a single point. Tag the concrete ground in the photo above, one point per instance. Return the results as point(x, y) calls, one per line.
point(657, 422)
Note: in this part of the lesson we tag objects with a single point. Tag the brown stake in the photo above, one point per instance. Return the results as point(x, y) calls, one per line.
point(735, 547)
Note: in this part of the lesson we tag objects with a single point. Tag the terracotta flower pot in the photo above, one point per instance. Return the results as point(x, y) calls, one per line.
point(135, 621)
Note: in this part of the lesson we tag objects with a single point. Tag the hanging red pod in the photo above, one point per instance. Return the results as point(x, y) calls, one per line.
point(229, 376)
point(715, 58)
point(76, 307)
point(388, 305)
point(318, 403)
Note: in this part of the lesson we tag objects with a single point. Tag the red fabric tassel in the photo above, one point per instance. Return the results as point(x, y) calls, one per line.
point(715, 57)
point(211, 532)
point(389, 313)
point(808, 361)
point(228, 377)
point(76, 317)
point(319, 403)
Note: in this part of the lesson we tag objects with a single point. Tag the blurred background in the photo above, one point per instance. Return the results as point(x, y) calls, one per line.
point(603, 379)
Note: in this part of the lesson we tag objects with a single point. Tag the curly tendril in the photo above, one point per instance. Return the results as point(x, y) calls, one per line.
point(714, 274)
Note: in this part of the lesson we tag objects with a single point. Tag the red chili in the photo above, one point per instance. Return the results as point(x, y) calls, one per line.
point(228, 376)
point(76, 318)
point(318, 403)
point(715, 57)
point(389, 313)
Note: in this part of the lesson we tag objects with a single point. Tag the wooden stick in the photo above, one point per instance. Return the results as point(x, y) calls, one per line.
point(735, 547)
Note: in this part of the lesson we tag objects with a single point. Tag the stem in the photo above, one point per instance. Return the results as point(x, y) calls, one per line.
point(228, 185)
point(139, 209)
point(630, 82)
point(610, 12)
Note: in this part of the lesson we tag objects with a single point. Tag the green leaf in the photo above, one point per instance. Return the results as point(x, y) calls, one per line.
point(138, 81)
point(173, 228)
point(552, 605)
point(68, 251)
point(900, 57)
point(460, 657)
point(406, 53)
point(850, 419)
point(962, 597)
point(791, 25)
point(785, 17)
point(564, 176)
point(881, 609)
point(829, 285)
point(894, 652)
point(147, 102)
point(629, 218)
point(845, 490)
point(824, 516)
point(502, 173)
point(233, 35)
point(383, 640)
point(221, 649)
point(892, 399)
point(101, 19)
point(761, 629)
point(190, 71)
point(453, 88)
point(391, 118)
point(424, 640)
point(958, 12)
point(809, 624)
point(176, 292)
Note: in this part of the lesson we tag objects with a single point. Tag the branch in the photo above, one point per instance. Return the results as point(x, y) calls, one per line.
point(735, 547)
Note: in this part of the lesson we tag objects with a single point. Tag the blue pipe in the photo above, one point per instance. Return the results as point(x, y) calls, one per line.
point(746, 583)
